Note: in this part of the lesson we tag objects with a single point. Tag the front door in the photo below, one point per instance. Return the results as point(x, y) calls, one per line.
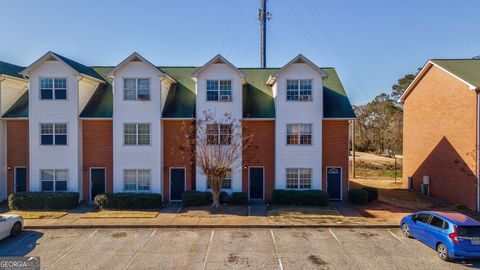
point(256, 183)
point(334, 183)
point(177, 183)
point(97, 182)
point(20, 179)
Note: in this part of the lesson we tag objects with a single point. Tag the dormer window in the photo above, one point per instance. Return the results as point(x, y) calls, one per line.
point(219, 90)
point(53, 88)
point(299, 90)
point(136, 89)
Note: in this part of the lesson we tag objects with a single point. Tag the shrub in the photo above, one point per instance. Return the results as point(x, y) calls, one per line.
point(198, 198)
point(43, 200)
point(372, 193)
point(358, 196)
point(300, 197)
point(128, 200)
point(238, 198)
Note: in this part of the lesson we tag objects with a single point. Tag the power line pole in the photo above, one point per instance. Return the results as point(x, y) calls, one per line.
point(263, 16)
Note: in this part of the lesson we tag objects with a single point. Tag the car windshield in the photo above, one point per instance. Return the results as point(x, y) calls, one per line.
point(469, 231)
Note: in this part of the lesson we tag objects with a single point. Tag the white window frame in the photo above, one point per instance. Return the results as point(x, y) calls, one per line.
point(53, 87)
point(136, 181)
point(136, 89)
point(54, 180)
point(220, 134)
point(54, 134)
point(137, 134)
point(299, 134)
point(219, 99)
point(298, 178)
point(310, 99)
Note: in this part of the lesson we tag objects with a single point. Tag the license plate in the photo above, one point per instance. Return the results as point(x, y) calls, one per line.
point(475, 241)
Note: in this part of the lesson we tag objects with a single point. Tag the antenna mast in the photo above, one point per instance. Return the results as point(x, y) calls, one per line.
point(263, 16)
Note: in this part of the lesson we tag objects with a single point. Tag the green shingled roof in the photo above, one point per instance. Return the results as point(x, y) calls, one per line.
point(180, 101)
point(10, 69)
point(19, 109)
point(466, 69)
point(79, 67)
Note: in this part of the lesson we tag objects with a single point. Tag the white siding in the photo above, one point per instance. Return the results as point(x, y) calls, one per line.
point(53, 111)
point(220, 72)
point(143, 156)
point(292, 112)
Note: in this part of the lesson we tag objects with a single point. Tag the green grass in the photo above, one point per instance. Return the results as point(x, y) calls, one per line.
point(377, 169)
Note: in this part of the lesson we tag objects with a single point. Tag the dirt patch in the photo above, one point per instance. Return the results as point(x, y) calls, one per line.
point(119, 234)
point(300, 234)
point(209, 212)
point(316, 260)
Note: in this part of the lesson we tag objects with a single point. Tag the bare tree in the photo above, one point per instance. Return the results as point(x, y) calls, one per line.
point(215, 146)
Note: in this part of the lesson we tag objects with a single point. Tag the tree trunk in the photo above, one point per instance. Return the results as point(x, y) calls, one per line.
point(216, 198)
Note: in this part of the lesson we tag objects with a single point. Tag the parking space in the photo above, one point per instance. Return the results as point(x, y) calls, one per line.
point(226, 248)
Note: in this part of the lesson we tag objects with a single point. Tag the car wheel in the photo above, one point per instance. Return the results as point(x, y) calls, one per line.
point(16, 229)
point(406, 230)
point(443, 252)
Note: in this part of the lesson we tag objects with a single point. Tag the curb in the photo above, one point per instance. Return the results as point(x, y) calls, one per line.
point(246, 226)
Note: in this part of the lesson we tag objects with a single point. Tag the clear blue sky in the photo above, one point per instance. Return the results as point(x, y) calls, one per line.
point(372, 43)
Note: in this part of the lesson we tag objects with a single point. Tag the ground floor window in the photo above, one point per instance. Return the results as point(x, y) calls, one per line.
point(227, 181)
point(136, 180)
point(299, 178)
point(54, 180)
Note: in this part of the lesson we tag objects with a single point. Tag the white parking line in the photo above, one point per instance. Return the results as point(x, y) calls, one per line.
point(74, 246)
point(276, 250)
point(208, 249)
point(399, 239)
point(137, 251)
point(334, 236)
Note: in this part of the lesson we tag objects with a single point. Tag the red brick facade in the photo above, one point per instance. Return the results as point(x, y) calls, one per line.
point(17, 150)
point(174, 156)
point(439, 137)
point(97, 152)
point(335, 151)
point(261, 152)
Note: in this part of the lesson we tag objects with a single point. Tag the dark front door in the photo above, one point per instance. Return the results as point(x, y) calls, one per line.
point(20, 179)
point(97, 182)
point(256, 183)
point(177, 183)
point(334, 183)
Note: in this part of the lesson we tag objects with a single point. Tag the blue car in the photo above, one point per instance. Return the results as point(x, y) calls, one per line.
point(452, 235)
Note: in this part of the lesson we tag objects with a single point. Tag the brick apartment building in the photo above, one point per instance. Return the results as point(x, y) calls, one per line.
point(441, 131)
point(69, 127)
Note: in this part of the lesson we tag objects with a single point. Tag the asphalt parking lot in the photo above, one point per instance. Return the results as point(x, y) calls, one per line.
point(226, 249)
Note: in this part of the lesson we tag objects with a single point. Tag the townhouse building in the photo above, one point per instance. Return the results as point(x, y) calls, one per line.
point(69, 127)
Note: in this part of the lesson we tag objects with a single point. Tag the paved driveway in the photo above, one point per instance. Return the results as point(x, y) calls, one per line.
point(225, 249)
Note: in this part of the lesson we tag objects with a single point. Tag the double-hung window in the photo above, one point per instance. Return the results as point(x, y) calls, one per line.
point(53, 88)
point(53, 134)
point(219, 90)
point(136, 134)
point(299, 134)
point(219, 134)
point(227, 181)
point(54, 180)
point(299, 178)
point(299, 90)
point(137, 180)
point(136, 89)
